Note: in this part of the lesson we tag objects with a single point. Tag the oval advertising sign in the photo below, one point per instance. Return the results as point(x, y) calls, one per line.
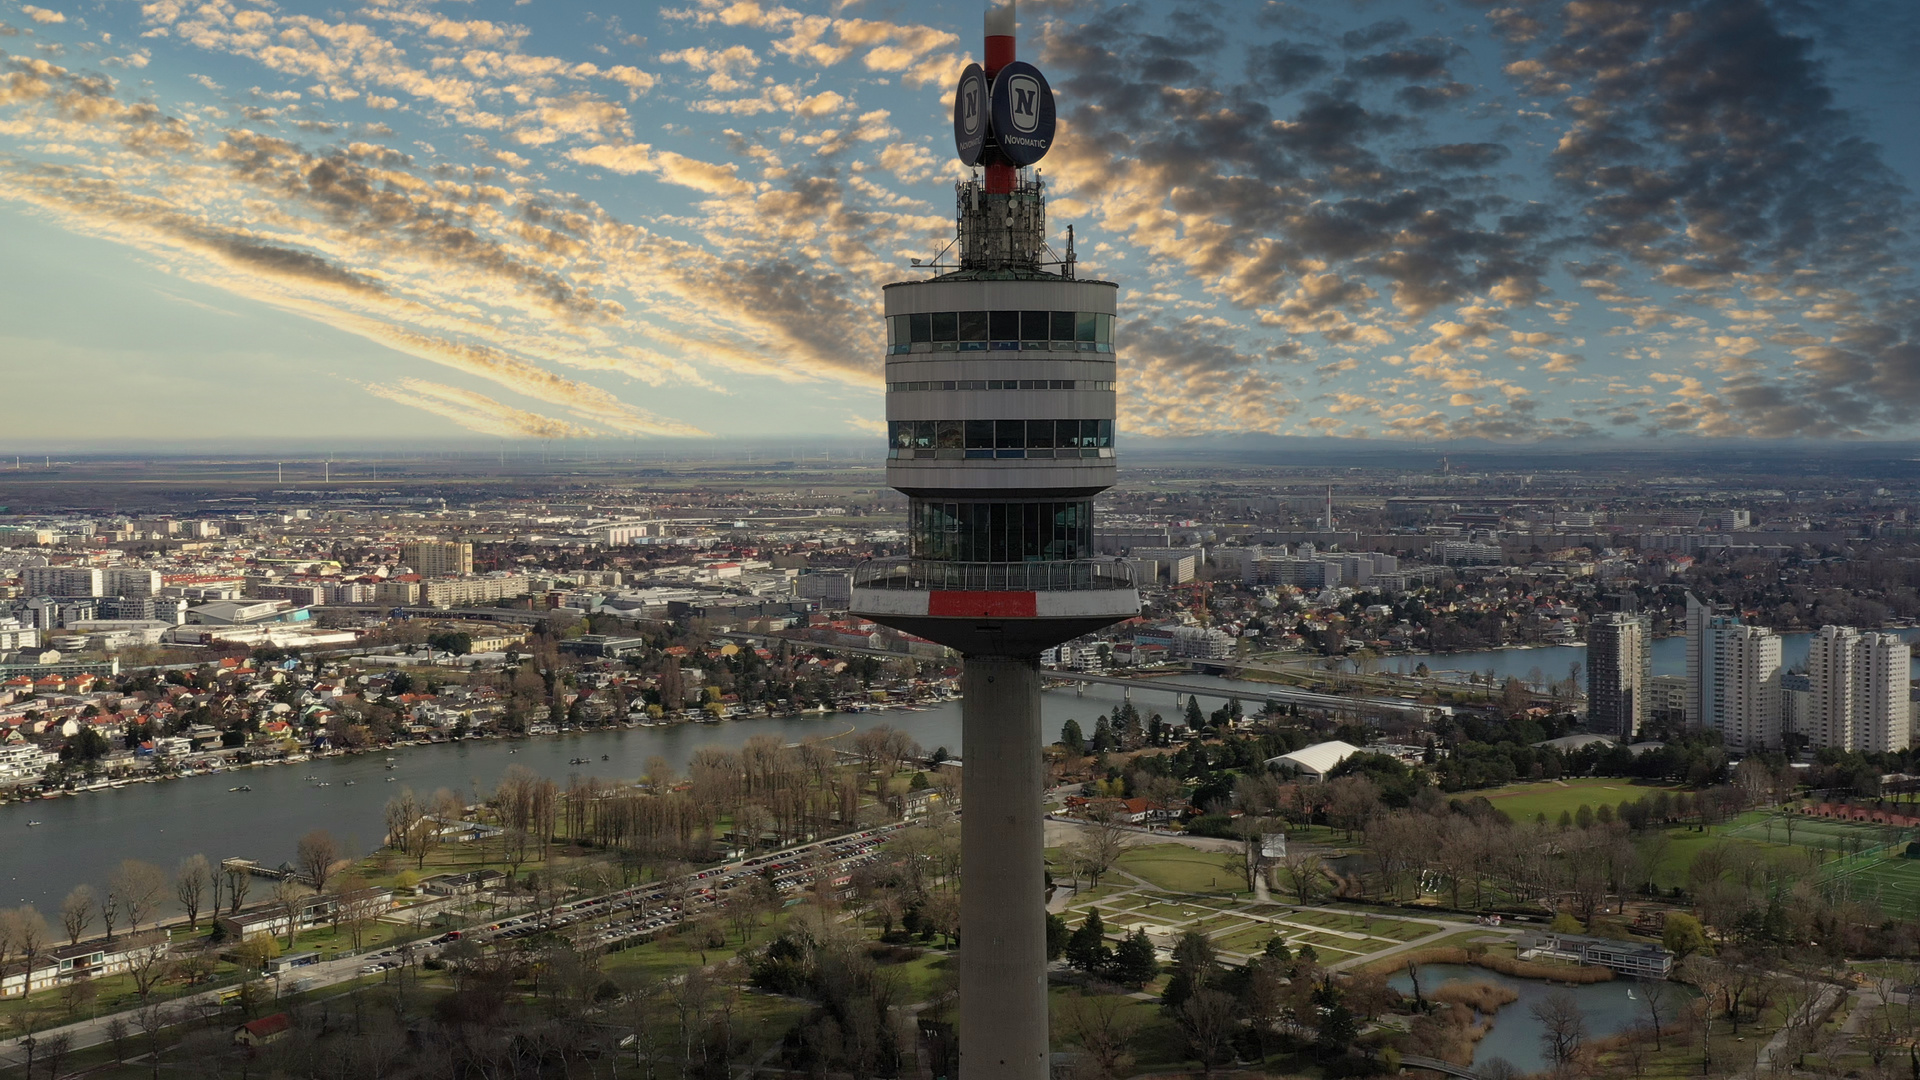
point(1022, 113)
point(970, 115)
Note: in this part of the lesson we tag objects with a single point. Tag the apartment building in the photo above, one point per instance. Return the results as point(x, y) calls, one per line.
point(430, 558)
point(1857, 690)
point(63, 581)
point(1619, 665)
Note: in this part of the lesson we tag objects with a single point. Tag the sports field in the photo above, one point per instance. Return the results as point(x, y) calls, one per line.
point(1524, 802)
point(1838, 837)
point(1893, 883)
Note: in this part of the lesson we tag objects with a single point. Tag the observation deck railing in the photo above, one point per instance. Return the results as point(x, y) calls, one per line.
point(1066, 575)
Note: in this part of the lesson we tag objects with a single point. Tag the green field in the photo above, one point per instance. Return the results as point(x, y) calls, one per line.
point(1524, 802)
point(1812, 832)
point(1893, 883)
point(1176, 868)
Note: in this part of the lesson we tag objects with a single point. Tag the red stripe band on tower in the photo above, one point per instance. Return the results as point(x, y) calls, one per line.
point(983, 605)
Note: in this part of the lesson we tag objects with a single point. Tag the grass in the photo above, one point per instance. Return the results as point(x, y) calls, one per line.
point(1250, 940)
point(1810, 832)
point(1524, 802)
point(1892, 883)
point(1176, 868)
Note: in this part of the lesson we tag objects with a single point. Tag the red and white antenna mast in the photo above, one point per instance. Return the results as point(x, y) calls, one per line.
point(1000, 51)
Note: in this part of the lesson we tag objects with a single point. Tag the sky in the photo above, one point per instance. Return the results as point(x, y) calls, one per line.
point(1401, 219)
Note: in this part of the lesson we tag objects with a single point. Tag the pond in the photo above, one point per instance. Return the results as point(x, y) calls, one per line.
point(1515, 1037)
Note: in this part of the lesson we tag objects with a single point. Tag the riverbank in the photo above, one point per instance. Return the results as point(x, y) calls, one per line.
point(1573, 974)
point(228, 765)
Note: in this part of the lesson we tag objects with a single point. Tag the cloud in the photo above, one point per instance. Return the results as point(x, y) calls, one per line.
point(477, 412)
point(42, 15)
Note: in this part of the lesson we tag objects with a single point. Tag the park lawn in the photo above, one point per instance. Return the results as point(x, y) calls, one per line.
point(668, 954)
point(1251, 940)
point(1156, 1042)
point(1525, 802)
point(1086, 897)
point(1176, 868)
point(923, 974)
point(1219, 924)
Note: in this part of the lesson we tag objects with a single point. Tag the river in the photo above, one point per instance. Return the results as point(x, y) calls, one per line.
point(1516, 1034)
point(83, 837)
point(1669, 658)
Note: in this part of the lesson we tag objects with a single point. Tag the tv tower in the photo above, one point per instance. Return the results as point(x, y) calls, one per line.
point(1000, 409)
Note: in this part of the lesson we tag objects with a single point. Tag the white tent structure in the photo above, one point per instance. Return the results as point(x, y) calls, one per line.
point(1313, 763)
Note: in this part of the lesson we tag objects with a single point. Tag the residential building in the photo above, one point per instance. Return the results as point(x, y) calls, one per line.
point(302, 594)
point(62, 581)
point(1619, 664)
point(1201, 643)
point(130, 582)
point(16, 636)
point(1733, 676)
point(397, 593)
point(834, 589)
point(436, 558)
point(1857, 691)
point(1465, 553)
point(457, 592)
point(1665, 700)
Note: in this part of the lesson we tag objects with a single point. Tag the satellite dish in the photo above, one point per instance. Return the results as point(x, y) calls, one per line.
point(970, 115)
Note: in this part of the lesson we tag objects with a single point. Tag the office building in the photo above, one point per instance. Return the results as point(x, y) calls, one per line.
point(1619, 665)
point(1000, 408)
point(1857, 690)
point(434, 558)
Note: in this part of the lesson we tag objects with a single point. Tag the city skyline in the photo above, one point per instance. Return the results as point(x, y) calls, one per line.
point(274, 221)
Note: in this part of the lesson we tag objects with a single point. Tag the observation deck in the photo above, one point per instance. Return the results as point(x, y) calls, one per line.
point(986, 608)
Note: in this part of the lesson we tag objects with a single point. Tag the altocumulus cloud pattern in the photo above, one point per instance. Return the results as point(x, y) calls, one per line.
point(1503, 220)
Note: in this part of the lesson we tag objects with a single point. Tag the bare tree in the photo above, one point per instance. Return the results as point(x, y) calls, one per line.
point(1102, 840)
point(286, 904)
point(239, 883)
point(139, 886)
point(316, 854)
point(1252, 832)
point(1103, 1027)
point(28, 930)
point(109, 911)
point(1563, 1029)
point(1208, 1020)
point(148, 964)
point(190, 881)
point(153, 1022)
point(1304, 872)
point(1654, 994)
point(401, 812)
point(76, 913)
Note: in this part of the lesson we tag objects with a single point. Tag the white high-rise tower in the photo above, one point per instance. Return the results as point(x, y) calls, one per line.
point(1858, 697)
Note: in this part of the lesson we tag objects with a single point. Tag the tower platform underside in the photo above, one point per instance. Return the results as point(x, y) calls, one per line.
point(996, 609)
